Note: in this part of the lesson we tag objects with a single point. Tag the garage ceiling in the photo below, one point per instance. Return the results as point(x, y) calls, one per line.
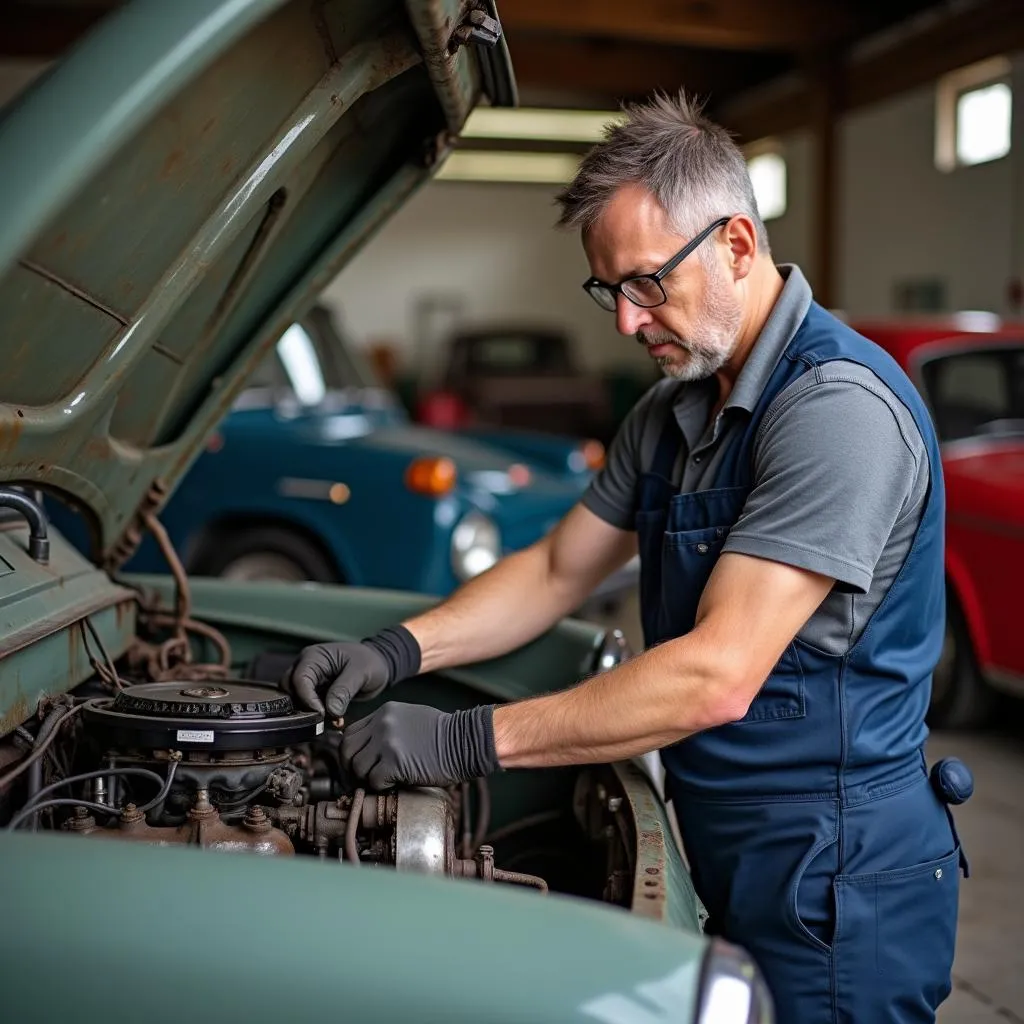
point(758, 62)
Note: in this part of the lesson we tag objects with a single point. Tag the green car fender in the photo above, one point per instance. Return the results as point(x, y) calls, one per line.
point(165, 935)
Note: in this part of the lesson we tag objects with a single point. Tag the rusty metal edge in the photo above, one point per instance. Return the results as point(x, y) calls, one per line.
point(658, 862)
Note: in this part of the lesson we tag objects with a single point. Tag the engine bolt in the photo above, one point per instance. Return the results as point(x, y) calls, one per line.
point(82, 821)
point(131, 814)
point(614, 803)
point(256, 820)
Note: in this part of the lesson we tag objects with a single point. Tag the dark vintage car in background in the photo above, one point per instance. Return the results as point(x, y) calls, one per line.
point(518, 375)
point(970, 370)
point(177, 838)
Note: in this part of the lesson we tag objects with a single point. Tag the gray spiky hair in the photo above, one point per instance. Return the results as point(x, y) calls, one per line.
point(690, 164)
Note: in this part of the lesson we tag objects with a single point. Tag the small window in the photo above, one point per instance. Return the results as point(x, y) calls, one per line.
point(768, 176)
point(974, 111)
point(983, 124)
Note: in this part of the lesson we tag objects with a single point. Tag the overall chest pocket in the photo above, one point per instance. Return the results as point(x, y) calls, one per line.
point(687, 559)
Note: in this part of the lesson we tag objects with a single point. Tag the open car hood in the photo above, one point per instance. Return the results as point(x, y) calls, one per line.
point(176, 190)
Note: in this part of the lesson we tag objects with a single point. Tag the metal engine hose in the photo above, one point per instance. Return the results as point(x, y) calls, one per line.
point(354, 814)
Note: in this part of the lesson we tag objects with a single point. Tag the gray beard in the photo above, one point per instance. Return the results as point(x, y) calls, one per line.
point(717, 331)
point(701, 364)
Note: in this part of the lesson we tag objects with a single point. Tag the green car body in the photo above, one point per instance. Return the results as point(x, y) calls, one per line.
point(172, 194)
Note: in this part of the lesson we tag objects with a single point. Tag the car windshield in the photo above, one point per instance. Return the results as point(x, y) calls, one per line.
point(977, 392)
point(311, 359)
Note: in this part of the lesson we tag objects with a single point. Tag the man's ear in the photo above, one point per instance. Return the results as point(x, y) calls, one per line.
point(741, 238)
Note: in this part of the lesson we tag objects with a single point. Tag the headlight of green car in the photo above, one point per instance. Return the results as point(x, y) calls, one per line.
point(732, 989)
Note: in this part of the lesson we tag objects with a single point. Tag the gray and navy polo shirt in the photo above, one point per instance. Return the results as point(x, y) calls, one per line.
point(840, 469)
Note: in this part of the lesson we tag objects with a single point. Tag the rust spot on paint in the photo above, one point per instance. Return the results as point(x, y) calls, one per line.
point(17, 714)
point(173, 163)
point(226, 165)
point(10, 431)
point(74, 644)
point(60, 240)
point(97, 448)
point(209, 124)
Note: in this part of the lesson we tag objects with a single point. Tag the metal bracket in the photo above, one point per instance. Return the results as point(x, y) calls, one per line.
point(477, 27)
point(436, 148)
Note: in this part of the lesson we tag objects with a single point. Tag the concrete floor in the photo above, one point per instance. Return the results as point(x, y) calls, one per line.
point(988, 974)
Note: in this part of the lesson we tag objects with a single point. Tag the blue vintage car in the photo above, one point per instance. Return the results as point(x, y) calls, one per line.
point(318, 474)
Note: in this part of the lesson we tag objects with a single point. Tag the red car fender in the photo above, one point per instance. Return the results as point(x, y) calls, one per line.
point(958, 578)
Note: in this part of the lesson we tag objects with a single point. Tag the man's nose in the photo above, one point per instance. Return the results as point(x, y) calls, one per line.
point(630, 318)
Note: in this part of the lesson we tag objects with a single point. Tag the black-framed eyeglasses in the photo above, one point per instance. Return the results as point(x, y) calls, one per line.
point(645, 290)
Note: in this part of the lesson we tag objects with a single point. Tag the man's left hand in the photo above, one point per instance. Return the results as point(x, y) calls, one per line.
point(420, 746)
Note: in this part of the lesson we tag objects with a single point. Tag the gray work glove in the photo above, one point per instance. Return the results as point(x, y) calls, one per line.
point(351, 670)
point(420, 746)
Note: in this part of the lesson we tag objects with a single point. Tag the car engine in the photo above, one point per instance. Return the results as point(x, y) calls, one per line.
point(181, 742)
point(233, 765)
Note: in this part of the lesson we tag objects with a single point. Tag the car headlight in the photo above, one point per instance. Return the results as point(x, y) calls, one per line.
point(476, 545)
point(732, 989)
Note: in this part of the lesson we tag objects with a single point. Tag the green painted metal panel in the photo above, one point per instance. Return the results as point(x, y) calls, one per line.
point(215, 160)
point(43, 651)
point(166, 935)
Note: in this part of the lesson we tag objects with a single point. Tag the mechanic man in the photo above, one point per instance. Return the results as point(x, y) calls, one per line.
point(783, 487)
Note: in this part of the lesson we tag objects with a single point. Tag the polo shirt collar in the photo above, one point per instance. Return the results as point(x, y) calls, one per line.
point(783, 322)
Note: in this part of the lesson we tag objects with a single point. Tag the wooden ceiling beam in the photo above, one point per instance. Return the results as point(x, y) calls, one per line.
point(45, 30)
point(973, 34)
point(786, 25)
point(611, 72)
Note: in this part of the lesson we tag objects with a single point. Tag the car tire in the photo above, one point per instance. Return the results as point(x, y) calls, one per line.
point(266, 553)
point(961, 699)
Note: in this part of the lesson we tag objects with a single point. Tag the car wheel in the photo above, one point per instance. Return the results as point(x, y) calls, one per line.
point(960, 697)
point(267, 553)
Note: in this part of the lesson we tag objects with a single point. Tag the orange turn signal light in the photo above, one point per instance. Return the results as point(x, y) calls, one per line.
point(431, 476)
point(593, 454)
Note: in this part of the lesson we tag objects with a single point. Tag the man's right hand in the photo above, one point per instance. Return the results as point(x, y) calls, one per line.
point(351, 670)
point(342, 670)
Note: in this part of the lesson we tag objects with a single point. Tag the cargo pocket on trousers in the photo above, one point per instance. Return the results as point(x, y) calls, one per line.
point(895, 938)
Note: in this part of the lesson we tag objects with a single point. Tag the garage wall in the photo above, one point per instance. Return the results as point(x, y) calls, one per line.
point(902, 219)
point(491, 249)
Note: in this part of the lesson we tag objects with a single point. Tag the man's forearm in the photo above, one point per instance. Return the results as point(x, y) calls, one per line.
point(656, 699)
point(749, 613)
point(495, 613)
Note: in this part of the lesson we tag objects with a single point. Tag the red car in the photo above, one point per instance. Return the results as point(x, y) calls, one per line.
point(970, 371)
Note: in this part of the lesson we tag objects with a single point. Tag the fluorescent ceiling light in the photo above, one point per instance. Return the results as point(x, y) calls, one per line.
point(539, 124)
point(533, 168)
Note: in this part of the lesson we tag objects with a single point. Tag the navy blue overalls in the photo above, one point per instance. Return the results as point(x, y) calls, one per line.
point(814, 837)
